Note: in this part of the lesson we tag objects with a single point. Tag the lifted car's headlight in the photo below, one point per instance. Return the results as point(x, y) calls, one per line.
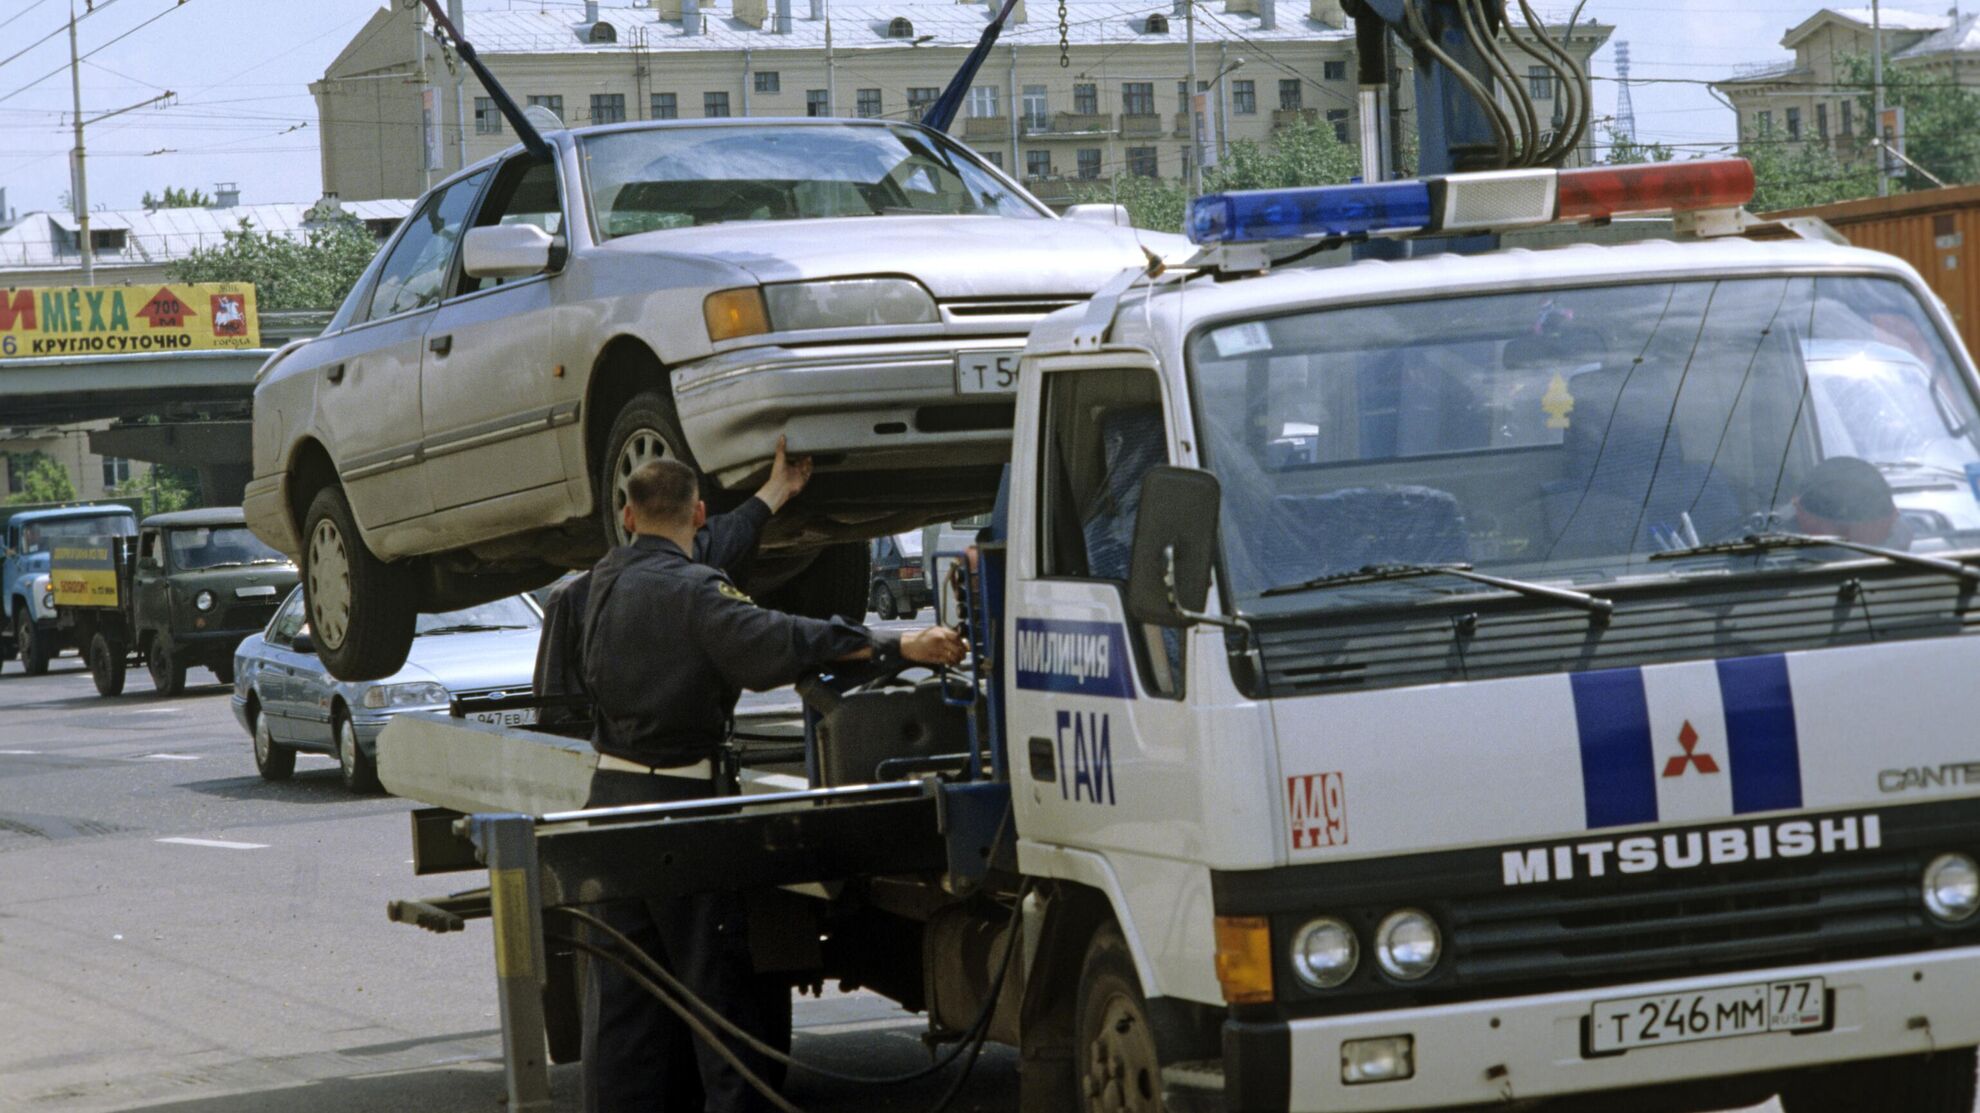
point(406, 695)
point(734, 313)
point(849, 303)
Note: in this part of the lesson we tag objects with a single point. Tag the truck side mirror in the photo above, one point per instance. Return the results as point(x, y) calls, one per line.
point(506, 251)
point(1175, 539)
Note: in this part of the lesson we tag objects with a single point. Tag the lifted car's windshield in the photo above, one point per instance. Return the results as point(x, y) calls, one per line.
point(677, 177)
point(503, 614)
point(44, 535)
point(218, 546)
point(1565, 436)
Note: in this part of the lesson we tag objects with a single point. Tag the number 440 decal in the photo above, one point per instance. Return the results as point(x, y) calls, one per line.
point(1084, 742)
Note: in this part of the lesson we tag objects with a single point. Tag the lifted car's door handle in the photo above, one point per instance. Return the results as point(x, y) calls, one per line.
point(440, 345)
point(1042, 766)
point(336, 374)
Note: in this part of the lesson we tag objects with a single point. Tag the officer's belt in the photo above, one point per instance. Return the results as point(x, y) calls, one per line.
point(703, 770)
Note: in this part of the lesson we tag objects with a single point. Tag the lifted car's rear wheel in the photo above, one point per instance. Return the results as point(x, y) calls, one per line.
point(107, 658)
point(1939, 1083)
point(168, 673)
point(642, 433)
point(28, 641)
point(274, 761)
point(361, 609)
point(1117, 1066)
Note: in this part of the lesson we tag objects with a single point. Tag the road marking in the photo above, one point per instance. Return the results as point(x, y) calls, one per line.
point(170, 757)
point(19, 753)
point(220, 844)
point(151, 711)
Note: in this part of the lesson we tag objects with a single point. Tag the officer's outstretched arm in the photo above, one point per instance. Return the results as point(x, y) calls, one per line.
point(759, 649)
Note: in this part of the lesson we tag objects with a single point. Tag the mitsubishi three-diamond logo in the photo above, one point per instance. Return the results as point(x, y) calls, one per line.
point(1688, 738)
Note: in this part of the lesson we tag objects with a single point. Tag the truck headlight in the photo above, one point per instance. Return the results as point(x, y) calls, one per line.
point(1952, 887)
point(849, 303)
point(203, 601)
point(423, 694)
point(1408, 944)
point(48, 601)
point(1325, 952)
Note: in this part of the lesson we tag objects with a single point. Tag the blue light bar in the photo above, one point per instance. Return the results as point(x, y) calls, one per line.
point(1258, 215)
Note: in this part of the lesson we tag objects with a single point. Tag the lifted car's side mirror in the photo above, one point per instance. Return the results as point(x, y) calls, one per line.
point(1102, 213)
point(506, 251)
point(1175, 537)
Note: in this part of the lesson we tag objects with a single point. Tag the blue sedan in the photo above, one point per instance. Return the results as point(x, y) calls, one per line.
point(288, 701)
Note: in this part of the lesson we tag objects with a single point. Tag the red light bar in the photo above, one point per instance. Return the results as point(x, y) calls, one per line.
point(1600, 192)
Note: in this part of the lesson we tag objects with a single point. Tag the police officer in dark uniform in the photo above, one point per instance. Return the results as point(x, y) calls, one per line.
point(668, 646)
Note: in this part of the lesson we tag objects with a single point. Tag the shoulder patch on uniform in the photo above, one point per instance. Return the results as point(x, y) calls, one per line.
point(732, 591)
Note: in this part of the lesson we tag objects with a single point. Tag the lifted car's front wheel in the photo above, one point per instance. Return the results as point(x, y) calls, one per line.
point(642, 433)
point(1937, 1083)
point(361, 609)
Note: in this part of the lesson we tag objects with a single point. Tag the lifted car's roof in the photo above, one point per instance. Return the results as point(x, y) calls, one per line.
point(211, 516)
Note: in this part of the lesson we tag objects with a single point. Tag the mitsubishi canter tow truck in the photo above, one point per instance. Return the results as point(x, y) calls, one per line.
point(1410, 685)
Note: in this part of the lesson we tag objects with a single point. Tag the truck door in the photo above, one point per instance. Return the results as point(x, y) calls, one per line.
point(491, 403)
point(151, 602)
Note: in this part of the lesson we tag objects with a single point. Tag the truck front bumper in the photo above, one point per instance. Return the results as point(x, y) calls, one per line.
point(1494, 1051)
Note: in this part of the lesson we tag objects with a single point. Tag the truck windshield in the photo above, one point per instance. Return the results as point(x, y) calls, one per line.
point(199, 547)
point(677, 177)
point(1566, 435)
point(49, 533)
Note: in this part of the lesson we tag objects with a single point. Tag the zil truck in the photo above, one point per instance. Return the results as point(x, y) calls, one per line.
point(29, 537)
point(1438, 682)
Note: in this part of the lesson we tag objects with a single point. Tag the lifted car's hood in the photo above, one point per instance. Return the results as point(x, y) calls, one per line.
point(954, 256)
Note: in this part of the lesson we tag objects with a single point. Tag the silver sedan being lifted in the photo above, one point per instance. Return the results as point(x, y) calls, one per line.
point(538, 329)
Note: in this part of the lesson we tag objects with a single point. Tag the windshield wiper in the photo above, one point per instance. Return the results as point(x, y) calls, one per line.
point(1918, 465)
point(471, 628)
point(1598, 608)
point(1764, 542)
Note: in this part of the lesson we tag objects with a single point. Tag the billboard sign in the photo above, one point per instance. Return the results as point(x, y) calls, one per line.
point(126, 320)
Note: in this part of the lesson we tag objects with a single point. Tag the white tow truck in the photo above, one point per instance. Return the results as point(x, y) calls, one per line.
point(1408, 685)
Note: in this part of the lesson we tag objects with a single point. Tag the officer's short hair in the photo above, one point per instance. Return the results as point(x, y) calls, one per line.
point(663, 491)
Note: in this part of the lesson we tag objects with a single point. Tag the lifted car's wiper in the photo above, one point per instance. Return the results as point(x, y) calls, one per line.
point(1595, 605)
point(1762, 542)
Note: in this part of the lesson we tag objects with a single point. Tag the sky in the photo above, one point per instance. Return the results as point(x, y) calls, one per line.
point(243, 113)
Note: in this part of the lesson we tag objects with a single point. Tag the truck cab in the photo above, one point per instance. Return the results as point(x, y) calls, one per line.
point(1520, 675)
point(27, 602)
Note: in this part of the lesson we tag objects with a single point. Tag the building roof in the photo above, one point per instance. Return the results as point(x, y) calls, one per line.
point(1964, 38)
point(1771, 71)
point(47, 239)
point(1895, 18)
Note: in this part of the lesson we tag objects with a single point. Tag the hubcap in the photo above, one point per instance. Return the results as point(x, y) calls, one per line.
point(642, 448)
point(261, 740)
point(329, 594)
point(1121, 1071)
point(347, 748)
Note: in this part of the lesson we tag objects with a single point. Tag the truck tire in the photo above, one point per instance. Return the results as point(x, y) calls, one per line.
point(28, 641)
point(835, 584)
point(168, 673)
point(643, 432)
point(361, 609)
point(359, 770)
point(107, 658)
point(274, 761)
point(1116, 1068)
point(1938, 1083)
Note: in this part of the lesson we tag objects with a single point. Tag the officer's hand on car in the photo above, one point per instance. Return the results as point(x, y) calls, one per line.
point(787, 477)
point(933, 645)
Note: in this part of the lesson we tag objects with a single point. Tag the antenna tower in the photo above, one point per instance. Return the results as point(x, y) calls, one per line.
point(1625, 125)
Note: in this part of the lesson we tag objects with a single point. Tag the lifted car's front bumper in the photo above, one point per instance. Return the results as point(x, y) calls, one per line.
point(891, 405)
point(1493, 1051)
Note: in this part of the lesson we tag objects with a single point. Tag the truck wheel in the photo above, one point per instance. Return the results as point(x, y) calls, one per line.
point(28, 641)
point(168, 673)
point(107, 658)
point(274, 761)
point(1113, 1044)
point(835, 584)
point(642, 433)
point(359, 770)
point(882, 604)
point(361, 609)
point(1938, 1083)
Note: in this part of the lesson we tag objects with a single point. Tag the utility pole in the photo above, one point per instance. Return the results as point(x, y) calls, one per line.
point(81, 183)
point(459, 20)
point(1877, 94)
point(1189, 103)
point(831, 66)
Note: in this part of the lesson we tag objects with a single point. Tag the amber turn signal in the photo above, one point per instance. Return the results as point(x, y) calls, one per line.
point(733, 313)
point(1244, 959)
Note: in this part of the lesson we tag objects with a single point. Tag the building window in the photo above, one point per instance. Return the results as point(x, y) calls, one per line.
point(867, 103)
point(487, 119)
point(1794, 125)
point(714, 105)
point(1334, 71)
point(1141, 162)
point(106, 239)
point(1138, 98)
point(1244, 98)
point(1540, 82)
point(996, 158)
point(769, 81)
point(554, 104)
point(1182, 98)
point(816, 103)
point(608, 108)
point(900, 28)
point(1086, 99)
point(116, 471)
point(1848, 119)
point(1764, 124)
point(919, 98)
point(666, 106)
point(1289, 92)
point(1339, 118)
point(983, 101)
point(1038, 164)
point(1822, 120)
point(1089, 162)
point(1158, 24)
point(1036, 116)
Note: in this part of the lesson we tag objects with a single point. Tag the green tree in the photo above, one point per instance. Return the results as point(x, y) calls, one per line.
point(1305, 153)
point(159, 490)
point(1941, 121)
point(315, 271)
point(175, 198)
point(42, 479)
point(1809, 174)
point(1625, 150)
